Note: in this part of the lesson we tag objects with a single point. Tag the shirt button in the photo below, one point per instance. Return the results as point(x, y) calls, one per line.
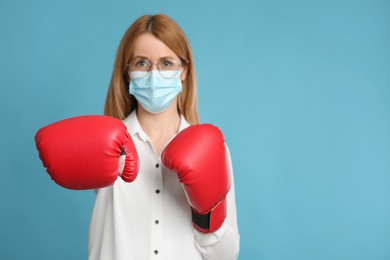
point(157, 191)
point(156, 221)
point(155, 252)
point(157, 165)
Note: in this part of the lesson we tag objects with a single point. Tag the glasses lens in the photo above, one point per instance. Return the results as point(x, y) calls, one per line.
point(168, 68)
point(138, 68)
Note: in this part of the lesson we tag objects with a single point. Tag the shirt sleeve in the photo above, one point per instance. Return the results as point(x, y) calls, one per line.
point(225, 242)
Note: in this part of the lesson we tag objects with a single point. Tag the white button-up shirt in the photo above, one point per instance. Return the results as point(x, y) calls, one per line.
point(150, 218)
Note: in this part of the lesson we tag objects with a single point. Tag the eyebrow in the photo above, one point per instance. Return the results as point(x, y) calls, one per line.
point(144, 57)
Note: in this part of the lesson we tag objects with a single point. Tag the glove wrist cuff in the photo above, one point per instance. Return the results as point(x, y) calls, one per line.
point(212, 220)
point(131, 167)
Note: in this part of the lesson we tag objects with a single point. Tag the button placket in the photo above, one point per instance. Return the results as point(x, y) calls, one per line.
point(157, 204)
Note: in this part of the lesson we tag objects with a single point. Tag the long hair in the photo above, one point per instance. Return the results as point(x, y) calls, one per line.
point(119, 103)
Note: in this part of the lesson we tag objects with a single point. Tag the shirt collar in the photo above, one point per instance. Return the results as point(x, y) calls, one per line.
point(183, 123)
point(134, 127)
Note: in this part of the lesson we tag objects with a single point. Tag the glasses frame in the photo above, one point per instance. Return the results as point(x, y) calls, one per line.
point(157, 64)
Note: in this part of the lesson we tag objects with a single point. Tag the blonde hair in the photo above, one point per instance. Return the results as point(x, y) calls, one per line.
point(119, 103)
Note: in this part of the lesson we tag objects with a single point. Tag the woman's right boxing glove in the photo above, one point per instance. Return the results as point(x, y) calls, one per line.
point(83, 152)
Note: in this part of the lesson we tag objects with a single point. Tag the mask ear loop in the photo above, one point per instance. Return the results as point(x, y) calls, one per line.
point(127, 74)
point(183, 64)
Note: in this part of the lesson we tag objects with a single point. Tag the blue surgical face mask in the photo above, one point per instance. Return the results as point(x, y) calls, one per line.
point(154, 92)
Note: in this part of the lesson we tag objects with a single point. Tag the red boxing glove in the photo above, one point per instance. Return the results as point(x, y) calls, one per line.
point(83, 152)
point(198, 156)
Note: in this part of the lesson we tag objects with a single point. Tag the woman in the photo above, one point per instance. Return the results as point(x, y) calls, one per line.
point(150, 218)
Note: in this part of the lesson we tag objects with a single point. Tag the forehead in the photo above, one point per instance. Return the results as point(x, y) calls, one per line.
point(147, 45)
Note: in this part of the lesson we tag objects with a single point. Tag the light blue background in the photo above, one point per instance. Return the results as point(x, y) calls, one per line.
point(301, 90)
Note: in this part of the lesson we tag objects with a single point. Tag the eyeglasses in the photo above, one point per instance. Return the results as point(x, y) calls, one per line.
point(140, 67)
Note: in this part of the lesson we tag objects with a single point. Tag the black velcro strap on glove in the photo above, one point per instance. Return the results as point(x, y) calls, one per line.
point(201, 220)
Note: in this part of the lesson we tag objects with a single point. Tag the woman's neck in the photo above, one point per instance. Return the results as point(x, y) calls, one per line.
point(160, 128)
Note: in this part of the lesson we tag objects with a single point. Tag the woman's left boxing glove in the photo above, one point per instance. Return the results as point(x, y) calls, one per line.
point(198, 156)
point(83, 152)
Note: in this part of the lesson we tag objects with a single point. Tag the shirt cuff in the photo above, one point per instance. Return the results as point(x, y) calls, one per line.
point(208, 239)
